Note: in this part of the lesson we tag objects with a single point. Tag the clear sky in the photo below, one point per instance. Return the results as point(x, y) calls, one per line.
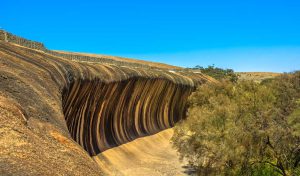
point(246, 35)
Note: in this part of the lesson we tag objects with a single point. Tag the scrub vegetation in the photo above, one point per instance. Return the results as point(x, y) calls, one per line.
point(218, 73)
point(243, 127)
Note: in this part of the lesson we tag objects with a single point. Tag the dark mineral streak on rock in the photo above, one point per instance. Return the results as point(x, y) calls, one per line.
point(100, 116)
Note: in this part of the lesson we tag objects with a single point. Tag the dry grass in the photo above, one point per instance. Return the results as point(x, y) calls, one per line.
point(257, 76)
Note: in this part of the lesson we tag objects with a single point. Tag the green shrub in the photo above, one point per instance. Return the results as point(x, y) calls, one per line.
point(218, 73)
point(243, 128)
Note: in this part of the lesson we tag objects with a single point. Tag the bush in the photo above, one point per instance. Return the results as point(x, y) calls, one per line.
point(243, 128)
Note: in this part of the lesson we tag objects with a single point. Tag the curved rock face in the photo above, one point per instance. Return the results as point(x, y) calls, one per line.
point(48, 102)
point(100, 116)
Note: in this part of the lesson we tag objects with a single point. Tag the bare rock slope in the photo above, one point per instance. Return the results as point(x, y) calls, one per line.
point(59, 109)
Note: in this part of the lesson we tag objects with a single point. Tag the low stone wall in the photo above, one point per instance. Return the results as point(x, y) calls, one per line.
point(104, 60)
point(2, 35)
point(9, 37)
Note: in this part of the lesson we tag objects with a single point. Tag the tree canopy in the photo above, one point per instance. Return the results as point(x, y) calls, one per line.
point(218, 73)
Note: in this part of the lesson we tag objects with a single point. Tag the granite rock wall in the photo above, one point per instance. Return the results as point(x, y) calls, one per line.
point(57, 112)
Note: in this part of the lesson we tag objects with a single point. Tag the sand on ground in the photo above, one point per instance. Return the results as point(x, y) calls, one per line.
point(151, 155)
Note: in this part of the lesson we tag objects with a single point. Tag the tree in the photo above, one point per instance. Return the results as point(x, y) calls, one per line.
point(242, 129)
point(218, 73)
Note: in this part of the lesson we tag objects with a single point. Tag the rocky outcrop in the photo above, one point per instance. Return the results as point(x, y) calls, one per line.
point(56, 112)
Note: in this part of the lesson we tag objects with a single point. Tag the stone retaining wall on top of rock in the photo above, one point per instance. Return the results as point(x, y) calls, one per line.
point(9, 37)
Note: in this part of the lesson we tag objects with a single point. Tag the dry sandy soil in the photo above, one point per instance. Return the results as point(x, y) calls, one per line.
point(151, 155)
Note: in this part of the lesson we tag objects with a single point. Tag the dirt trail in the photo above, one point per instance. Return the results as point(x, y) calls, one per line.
point(151, 155)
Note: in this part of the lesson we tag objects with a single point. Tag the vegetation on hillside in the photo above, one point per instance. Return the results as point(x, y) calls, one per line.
point(218, 73)
point(243, 128)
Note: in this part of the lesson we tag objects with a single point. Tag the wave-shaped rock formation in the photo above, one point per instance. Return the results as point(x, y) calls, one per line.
point(51, 101)
point(103, 115)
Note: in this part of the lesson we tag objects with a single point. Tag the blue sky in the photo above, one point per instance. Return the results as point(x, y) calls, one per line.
point(256, 35)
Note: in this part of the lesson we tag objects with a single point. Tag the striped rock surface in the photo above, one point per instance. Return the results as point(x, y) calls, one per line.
point(55, 112)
